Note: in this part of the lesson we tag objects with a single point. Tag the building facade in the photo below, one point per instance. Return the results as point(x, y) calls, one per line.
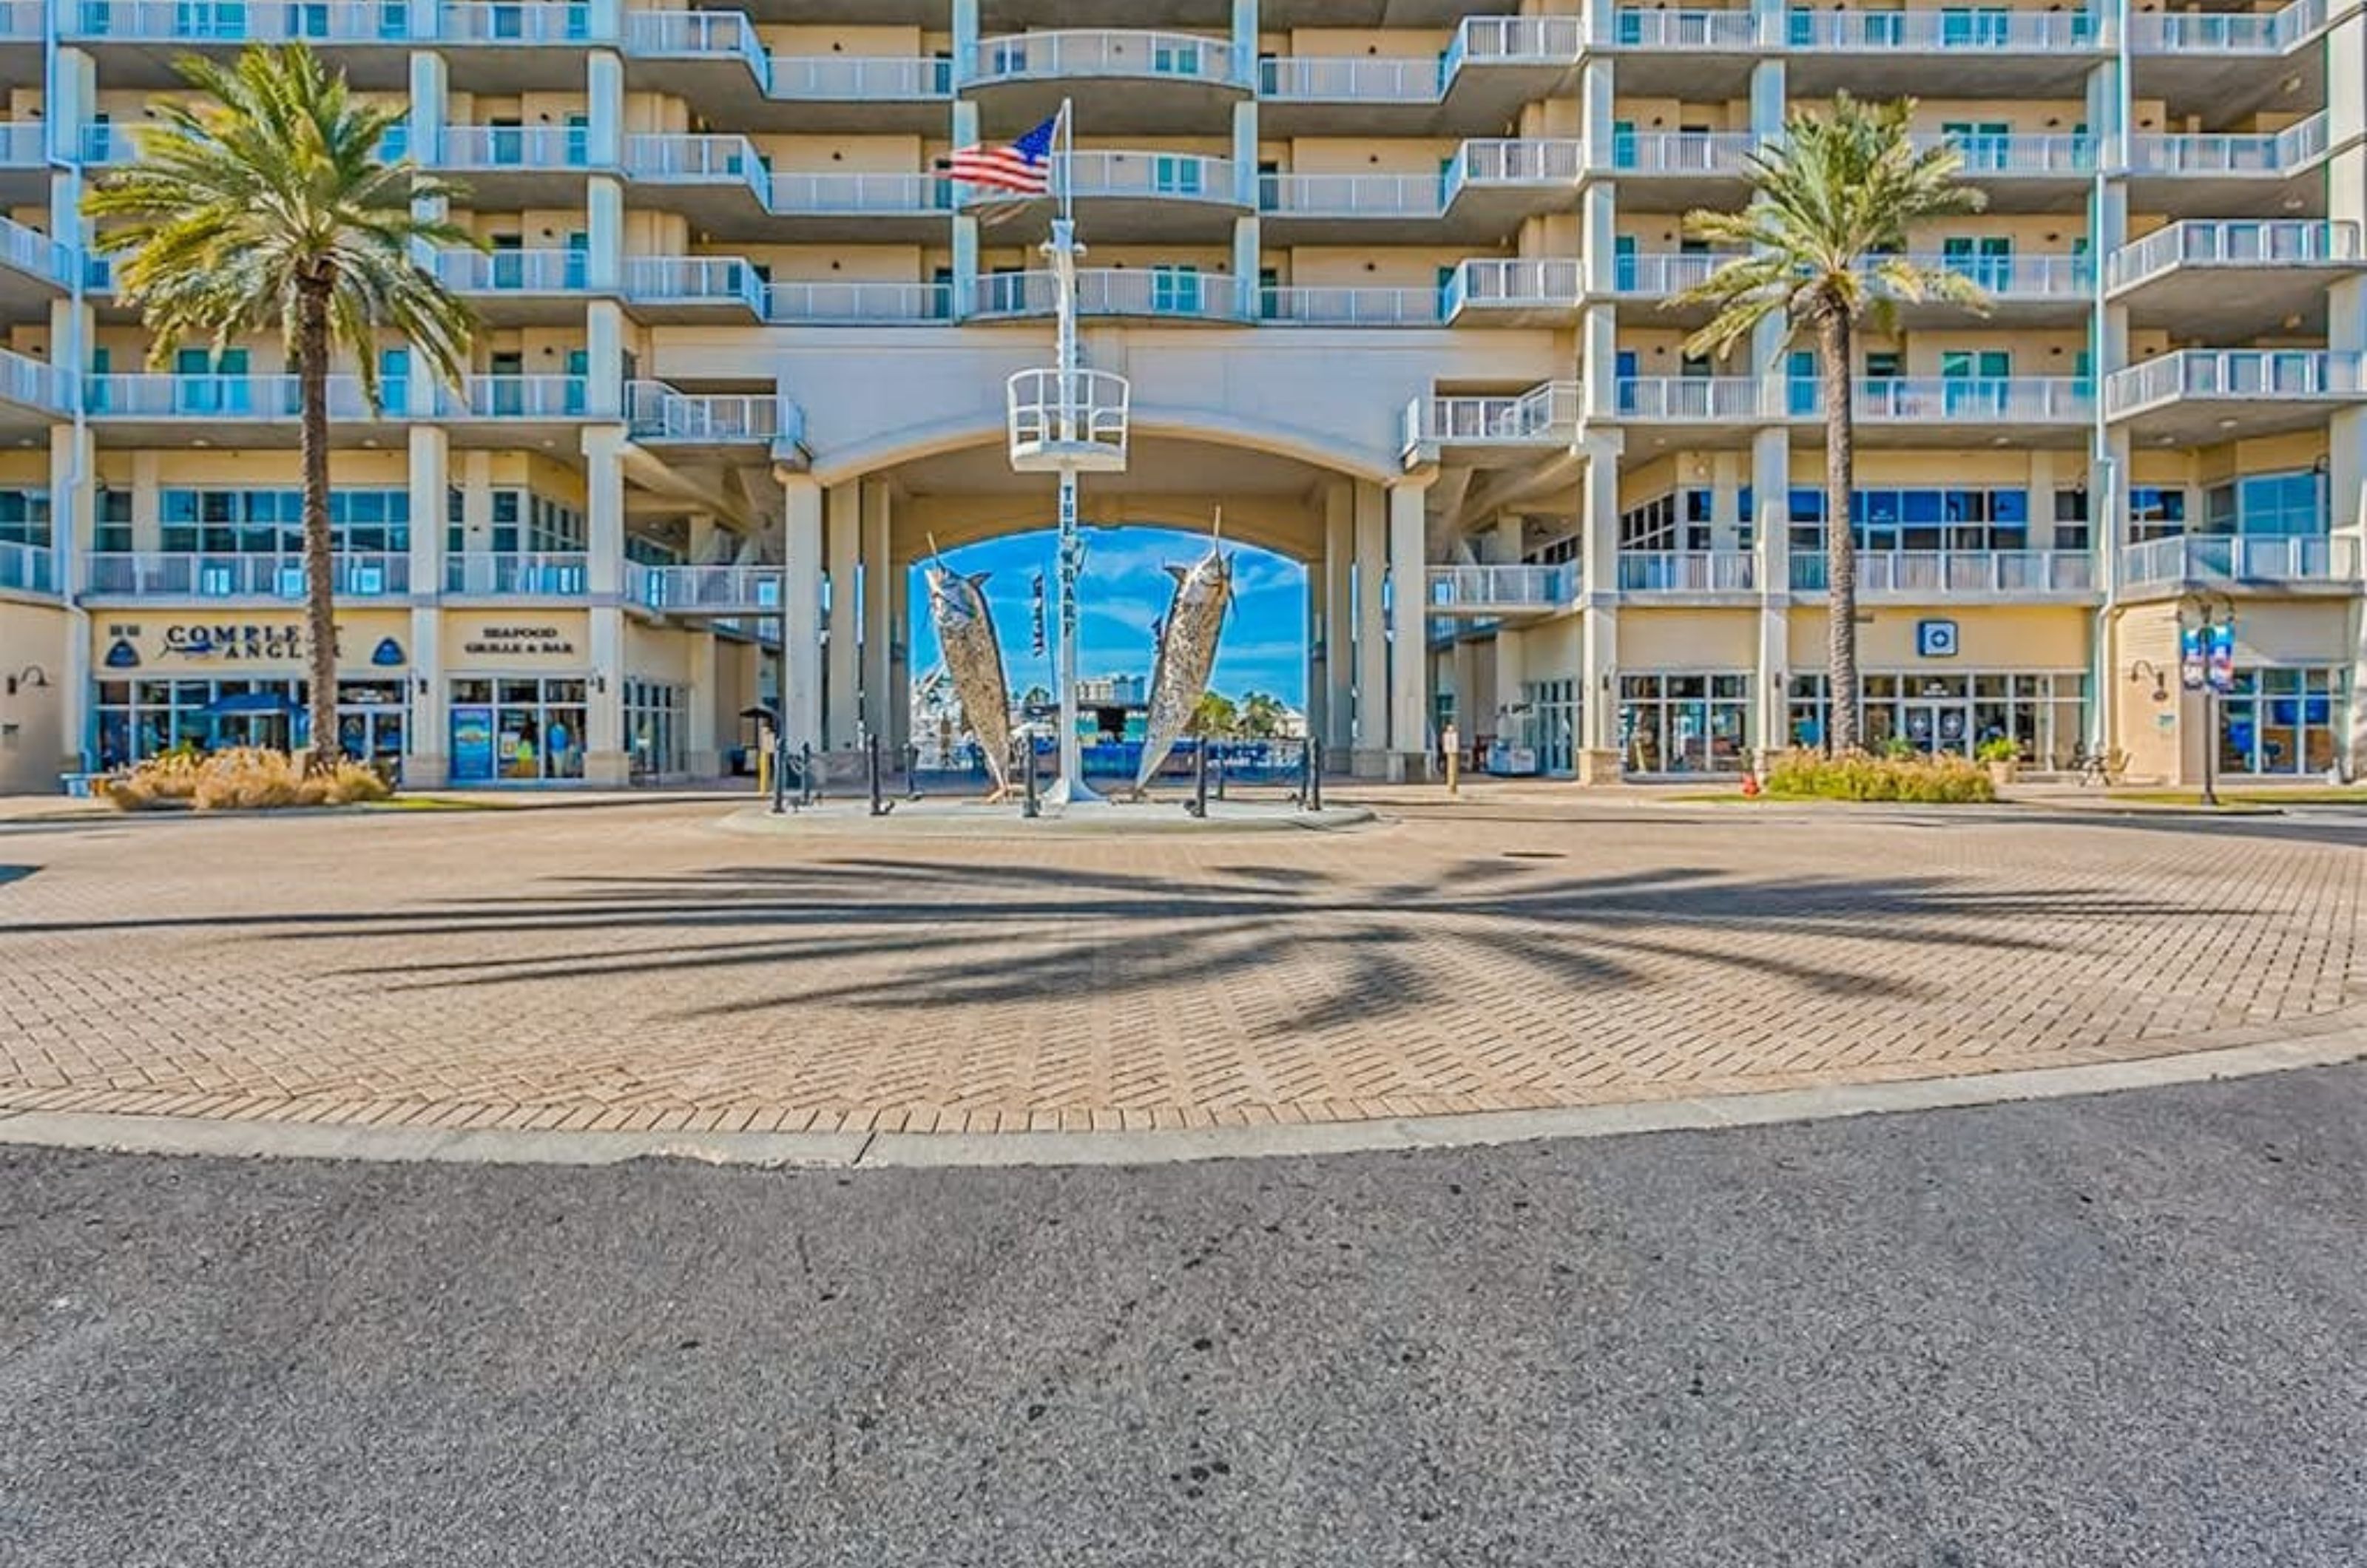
point(1387, 282)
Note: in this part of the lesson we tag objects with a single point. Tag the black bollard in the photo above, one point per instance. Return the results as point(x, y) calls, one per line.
point(1032, 804)
point(881, 805)
point(1314, 773)
point(913, 771)
point(1199, 806)
point(805, 777)
point(780, 774)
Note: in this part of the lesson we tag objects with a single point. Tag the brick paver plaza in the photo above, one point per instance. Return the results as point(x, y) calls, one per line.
point(639, 968)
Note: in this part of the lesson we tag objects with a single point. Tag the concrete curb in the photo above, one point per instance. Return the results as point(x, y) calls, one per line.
point(866, 1151)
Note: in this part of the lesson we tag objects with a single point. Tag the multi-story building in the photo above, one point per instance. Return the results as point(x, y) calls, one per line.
point(1387, 282)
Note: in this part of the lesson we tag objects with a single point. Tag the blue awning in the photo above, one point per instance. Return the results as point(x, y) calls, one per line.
point(248, 701)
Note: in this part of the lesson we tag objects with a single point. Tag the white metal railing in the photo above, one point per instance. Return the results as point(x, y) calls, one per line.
point(109, 143)
point(797, 300)
point(1103, 52)
point(553, 271)
point(657, 412)
point(210, 396)
point(1679, 152)
point(29, 569)
point(1737, 30)
point(1526, 283)
point(1352, 196)
point(1651, 274)
point(705, 589)
point(20, 19)
point(2013, 277)
point(1891, 572)
point(373, 575)
point(1516, 40)
point(862, 78)
point(1104, 291)
point(1672, 398)
point(35, 383)
point(30, 250)
point(1688, 571)
point(539, 147)
point(2234, 242)
point(1088, 410)
point(2307, 374)
point(696, 159)
point(515, 575)
point(698, 35)
point(535, 397)
point(24, 143)
point(2014, 152)
point(2235, 558)
point(1319, 305)
point(513, 22)
point(1544, 415)
point(2227, 32)
point(886, 195)
point(1492, 589)
point(2275, 154)
point(235, 21)
point(2012, 399)
point(1170, 176)
point(1480, 42)
point(1941, 31)
point(1516, 161)
point(694, 280)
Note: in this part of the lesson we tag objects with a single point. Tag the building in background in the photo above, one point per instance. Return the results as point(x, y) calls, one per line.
point(1389, 295)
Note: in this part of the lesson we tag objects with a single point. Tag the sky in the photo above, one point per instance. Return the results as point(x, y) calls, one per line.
point(1123, 589)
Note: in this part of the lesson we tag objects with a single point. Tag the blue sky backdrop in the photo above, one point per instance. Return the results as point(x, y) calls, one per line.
point(1124, 589)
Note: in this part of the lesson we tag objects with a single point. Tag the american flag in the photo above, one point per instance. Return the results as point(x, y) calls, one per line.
point(1023, 167)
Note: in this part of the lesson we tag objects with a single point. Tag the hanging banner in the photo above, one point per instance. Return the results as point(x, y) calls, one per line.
point(2190, 671)
point(1039, 633)
point(2223, 657)
point(1072, 555)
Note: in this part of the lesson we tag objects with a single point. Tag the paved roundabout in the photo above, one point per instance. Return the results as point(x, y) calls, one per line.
point(645, 969)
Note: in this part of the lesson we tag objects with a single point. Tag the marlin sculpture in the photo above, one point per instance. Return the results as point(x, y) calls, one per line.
point(1187, 651)
point(973, 656)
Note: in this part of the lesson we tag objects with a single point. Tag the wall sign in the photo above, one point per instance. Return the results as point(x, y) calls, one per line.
point(1935, 639)
point(518, 641)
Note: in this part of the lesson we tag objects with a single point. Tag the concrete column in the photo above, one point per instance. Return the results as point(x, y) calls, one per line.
point(1771, 495)
point(1598, 758)
point(426, 737)
point(147, 503)
point(1510, 534)
point(74, 506)
point(604, 86)
point(605, 757)
point(1249, 241)
point(430, 101)
point(603, 230)
point(1598, 360)
point(841, 707)
point(1339, 617)
point(71, 100)
point(701, 755)
point(1411, 746)
point(877, 575)
point(900, 660)
point(603, 359)
point(802, 658)
point(965, 133)
point(1767, 101)
point(1369, 730)
point(2346, 202)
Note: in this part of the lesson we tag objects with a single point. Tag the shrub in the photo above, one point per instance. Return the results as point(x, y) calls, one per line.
point(243, 779)
point(2002, 750)
point(1917, 779)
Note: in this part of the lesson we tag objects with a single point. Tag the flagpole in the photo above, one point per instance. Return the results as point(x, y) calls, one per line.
point(1063, 251)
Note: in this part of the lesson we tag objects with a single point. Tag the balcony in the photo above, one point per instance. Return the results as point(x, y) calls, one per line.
point(1080, 419)
point(1493, 424)
point(2024, 290)
point(518, 286)
point(1496, 66)
point(35, 387)
point(517, 576)
point(1989, 53)
point(2233, 279)
point(701, 591)
point(726, 287)
point(1687, 400)
point(1106, 292)
point(2020, 172)
point(1486, 190)
point(2230, 175)
point(232, 23)
point(825, 303)
point(1497, 592)
point(1146, 196)
point(34, 268)
point(1161, 83)
point(1348, 307)
point(1540, 291)
point(510, 24)
point(2196, 397)
point(536, 398)
point(1977, 408)
point(2217, 36)
point(1688, 571)
point(29, 569)
point(1676, 154)
point(1939, 576)
point(2225, 560)
point(171, 576)
point(658, 414)
point(515, 165)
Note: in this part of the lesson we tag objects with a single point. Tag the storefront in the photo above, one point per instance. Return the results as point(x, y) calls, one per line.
point(519, 711)
point(1684, 723)
point(206, 682)
point(2283, 721)
point(1954, 713)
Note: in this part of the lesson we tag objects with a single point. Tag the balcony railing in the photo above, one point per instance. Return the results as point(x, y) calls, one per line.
point(517, 576)
point(698, 35)
point(858, 302)
point(2009, 279)
point(1512, 161)
point(30, 250)
point(877, 195)
point(1688, 571)
point(1102, 291)
point(2234, 374)
point(1676, 399)
point(1996, 399)
point(1735, 31)
point(1480, 42)
point(167, 576)
point(535, 147)
point(1515, 40)
point(29, 569)
point(2271, 154)
point(1541, 416)
point(704, 589)
point(515, 272)
point(2239, 558)
point(507, 22)
point(2227, 32)
point(1174, 176)
point(1941, 31)
point(1679, 151)
point(1349, 306)
point(1352, 196)
point(2236, 241)
point(1075, 54)
point(721, 280)
point(1648, 275)
point(657, 412)
point(34, 383)
point(858, 78)
point(556, 398)
point(686, 159)
point(1882, 574)
point(2013, 153)
point(1535, 283)
point(1497, 590)
point(24, 144)
point(239, 21)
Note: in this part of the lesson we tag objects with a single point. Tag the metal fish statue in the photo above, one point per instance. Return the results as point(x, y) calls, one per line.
point(1187, 654)
point(973, 656)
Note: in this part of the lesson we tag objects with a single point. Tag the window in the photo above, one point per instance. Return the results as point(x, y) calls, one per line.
point(657, 727)
point(2071, 519)
point(25, 518)
point(2284, 720)
point(1683, 723)
point(2285, 506)
point(1651, 526)
point(111, 533)
point(271, 522)
point(1955, 712)
point(2155, 512)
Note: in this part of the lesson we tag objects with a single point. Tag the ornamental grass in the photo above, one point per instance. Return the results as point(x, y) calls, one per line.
point(242, 779)
point(1858, 776)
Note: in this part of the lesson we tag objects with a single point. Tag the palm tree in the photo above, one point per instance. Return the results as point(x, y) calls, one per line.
point(1825, 232)
point(1261, 715)
point(270, 204)
point(1215, 717)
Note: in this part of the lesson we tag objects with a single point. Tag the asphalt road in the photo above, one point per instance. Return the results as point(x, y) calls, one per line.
point(2125, 1330)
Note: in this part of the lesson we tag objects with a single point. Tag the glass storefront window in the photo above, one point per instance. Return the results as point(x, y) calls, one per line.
point(1684, 723)
point(2045, 713)
point(139, 719)
point(2283, 721)
point(517, 729)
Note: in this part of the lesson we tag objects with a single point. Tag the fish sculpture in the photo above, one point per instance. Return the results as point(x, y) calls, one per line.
point(1187, 653)
point(973, 656)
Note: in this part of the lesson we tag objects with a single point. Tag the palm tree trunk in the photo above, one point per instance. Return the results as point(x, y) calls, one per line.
point(320, 559)
point(1841, 542)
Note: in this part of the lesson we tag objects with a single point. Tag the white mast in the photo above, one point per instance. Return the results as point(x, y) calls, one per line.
point(1063, 251)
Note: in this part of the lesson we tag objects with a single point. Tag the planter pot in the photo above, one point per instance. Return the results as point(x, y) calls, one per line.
point(2003, 774)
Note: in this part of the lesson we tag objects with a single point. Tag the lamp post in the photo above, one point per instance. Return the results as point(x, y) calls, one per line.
point(2206, 637)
